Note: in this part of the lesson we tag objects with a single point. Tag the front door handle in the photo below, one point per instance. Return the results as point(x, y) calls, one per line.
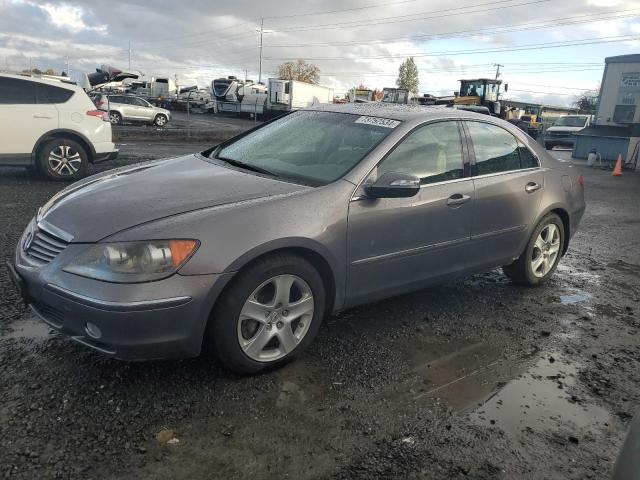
point(457, 199)
point(532, 187)
point(43, 116)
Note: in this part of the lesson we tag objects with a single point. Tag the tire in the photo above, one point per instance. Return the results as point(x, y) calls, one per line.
point(115, 118)
point(549, 146)
point(62, 160)
point(227, 328)
point(522, 271)
point(160, 120)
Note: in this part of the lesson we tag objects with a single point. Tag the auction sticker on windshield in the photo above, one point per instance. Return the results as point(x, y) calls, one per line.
point(380, 122)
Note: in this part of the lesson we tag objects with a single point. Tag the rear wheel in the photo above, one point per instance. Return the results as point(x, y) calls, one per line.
point(549, 146)
point(540, 258)
point(268, 315)
point(62, 159)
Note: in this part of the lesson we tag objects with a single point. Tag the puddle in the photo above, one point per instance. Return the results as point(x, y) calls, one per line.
point(30, 329)
point(575, 298)
point(538, 400)
point(572, 273)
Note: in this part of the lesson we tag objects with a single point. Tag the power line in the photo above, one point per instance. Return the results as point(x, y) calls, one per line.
point(554, 22)
point(414, 17)
point(328, 12)
point(534, 46)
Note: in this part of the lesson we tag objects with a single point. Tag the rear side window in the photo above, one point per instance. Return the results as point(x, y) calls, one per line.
point(527, 157)
point(17, 92)
point(432, 153)
point(51, 94)
point(495, 148)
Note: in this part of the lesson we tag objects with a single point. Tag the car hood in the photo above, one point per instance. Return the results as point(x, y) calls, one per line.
point(564, 129)
point(116, 200)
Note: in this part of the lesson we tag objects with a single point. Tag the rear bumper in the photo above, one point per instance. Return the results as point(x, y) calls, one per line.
point(568, 140)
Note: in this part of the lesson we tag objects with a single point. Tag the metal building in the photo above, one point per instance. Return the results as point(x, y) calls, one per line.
point(616, 129)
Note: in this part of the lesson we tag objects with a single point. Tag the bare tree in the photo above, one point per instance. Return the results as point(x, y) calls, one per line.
point(587, 101)
point(299, 70)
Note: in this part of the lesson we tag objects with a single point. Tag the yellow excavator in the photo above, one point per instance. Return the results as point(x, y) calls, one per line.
point(479, 92)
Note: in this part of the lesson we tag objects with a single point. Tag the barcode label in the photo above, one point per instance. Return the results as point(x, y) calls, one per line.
point(380, 122)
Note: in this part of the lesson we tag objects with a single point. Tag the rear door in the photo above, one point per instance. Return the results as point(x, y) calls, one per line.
point(23, 119)
point(508, 185)
point(397, 244)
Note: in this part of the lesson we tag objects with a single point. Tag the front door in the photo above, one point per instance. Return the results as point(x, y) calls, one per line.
point(399, 244)
point(508, 184)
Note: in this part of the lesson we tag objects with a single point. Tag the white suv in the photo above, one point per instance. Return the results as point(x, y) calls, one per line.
point(51, 124)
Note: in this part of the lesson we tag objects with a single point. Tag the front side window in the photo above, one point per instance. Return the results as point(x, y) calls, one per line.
point(496, 149)
point(312, 147)
point(17, 92)
point(139, 102)
point(432, 153)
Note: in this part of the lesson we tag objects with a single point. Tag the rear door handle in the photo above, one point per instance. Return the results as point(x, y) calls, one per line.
point(532, 187)
point(457, 199)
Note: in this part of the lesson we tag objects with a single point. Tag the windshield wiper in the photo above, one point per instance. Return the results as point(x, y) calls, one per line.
point(246, 166)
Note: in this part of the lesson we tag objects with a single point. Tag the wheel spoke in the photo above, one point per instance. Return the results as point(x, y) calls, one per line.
point(54, 156)
point(535, 265)
point(282, 286)
point(300, 308)
point(256, 345)
point(554, 248)
point(287, 339)
point(539, 242)
point(255, 311)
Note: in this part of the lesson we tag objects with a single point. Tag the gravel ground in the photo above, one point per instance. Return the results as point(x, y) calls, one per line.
point(473, 379)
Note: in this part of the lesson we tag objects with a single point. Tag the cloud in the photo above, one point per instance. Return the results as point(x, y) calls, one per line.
point(201, 40)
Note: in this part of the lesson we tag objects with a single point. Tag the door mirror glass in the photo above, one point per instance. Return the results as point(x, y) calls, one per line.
point(393, 185)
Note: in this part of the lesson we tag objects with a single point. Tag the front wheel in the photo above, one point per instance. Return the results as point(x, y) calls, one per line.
point(115, 118)
point(267, 315)
point(548, 146)
point(160, 121)
point(63, 160)
point(540, 258)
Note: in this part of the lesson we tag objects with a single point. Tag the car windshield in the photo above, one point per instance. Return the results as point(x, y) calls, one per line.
point(577, 121)
point(309, 146)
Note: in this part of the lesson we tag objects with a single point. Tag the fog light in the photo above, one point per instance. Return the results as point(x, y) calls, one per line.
point(92, 330)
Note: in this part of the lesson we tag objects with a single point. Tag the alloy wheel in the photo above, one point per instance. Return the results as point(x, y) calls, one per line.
point(161, 120)
point(64, 160)
point(545, 250)
point(114, 118)
point(275, 318)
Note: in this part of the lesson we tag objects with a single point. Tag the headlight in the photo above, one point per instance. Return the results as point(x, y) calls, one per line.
point(133, 262)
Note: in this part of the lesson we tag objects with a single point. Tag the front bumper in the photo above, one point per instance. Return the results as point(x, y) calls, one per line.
point(146, 321)
point(103, 157)
point(568, 140)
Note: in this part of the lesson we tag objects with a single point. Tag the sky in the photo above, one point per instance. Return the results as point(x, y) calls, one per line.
point(550, 50)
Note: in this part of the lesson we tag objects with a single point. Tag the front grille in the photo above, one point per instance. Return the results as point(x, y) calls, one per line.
point(44, 246)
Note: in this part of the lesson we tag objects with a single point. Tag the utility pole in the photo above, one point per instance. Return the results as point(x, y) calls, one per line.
point(497, 65)
point(129, 55)
point(68, 69)
point(261, 31)
point(245, 74)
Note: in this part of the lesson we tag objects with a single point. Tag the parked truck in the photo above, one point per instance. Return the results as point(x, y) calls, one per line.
point(287, 95)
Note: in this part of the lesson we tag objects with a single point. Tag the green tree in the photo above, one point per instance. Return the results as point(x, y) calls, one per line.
point(408, 76)
point(300, 70)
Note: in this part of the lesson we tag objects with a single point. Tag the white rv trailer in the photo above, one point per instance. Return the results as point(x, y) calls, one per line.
point(287, 95)
point(239, 96)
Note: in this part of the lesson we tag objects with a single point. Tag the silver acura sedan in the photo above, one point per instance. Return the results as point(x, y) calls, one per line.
point(245, 247)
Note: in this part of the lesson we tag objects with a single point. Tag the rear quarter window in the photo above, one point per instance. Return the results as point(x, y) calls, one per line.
point(527, 158)
point(51, 94)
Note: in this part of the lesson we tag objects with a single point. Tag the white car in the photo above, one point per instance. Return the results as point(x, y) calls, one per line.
point(129, 108)
point(52, 125)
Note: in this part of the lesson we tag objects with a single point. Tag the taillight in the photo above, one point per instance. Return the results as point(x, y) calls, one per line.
point(100, 114)
point(581, 181)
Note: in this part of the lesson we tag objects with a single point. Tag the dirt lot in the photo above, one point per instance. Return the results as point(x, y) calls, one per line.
point(473, 379)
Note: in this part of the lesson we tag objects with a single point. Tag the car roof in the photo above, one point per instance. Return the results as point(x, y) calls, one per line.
point(416, 113)
point(57, 82)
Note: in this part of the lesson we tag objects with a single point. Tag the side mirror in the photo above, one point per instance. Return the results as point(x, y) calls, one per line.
point(393, 185)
